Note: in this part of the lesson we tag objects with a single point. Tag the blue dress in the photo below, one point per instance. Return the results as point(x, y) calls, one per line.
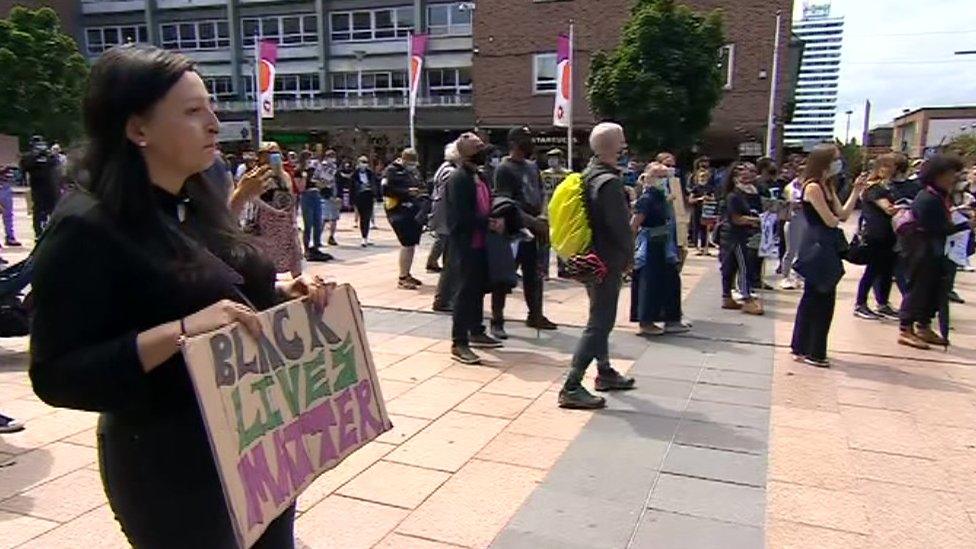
point(655, 291)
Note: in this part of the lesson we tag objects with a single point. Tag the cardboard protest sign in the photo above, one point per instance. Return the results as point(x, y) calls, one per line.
point(282, 410)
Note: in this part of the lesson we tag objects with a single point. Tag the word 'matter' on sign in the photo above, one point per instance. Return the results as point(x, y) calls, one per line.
point(285, 407)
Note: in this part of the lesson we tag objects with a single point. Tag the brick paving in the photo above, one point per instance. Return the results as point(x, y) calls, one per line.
point(876, 452)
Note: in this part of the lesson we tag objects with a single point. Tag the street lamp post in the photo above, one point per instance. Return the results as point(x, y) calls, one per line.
point(847, 133)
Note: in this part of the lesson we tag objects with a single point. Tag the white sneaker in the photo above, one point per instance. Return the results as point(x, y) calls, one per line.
point(787, 284)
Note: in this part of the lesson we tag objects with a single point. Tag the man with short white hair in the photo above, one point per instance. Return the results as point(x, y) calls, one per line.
point(614, 244)
point(446, 283)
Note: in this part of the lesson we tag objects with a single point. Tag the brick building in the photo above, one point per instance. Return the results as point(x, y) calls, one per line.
point(515, 41)
point(925, 131)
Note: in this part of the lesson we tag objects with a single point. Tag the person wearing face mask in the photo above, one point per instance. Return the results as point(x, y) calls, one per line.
point(401, 191)
point(656, 285)
point(517, 178)
point(878, 238)
point(272, 219)
point(551, 177)
point(819, 256)
point(345, 187)
point(740, 234)
point(467, 197)
point(613, 243)
point(364, 191)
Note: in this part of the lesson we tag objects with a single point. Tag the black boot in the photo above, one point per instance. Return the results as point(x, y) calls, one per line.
point(540, 322)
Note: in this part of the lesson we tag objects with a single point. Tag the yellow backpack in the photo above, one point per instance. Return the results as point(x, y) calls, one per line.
point(569, 225)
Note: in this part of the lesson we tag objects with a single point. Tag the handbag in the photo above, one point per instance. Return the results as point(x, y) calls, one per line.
point(842, 245)
point(858, 253)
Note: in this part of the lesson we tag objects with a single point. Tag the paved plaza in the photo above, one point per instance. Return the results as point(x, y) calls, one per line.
point(726, 442)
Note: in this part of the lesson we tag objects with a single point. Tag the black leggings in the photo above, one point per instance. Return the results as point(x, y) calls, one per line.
point(878, 273)
point(813, 318)
point(364, 206)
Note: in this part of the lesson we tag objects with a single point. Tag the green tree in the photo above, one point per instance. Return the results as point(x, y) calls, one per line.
point(964, 145)
point(664, 78)
point(43, 77)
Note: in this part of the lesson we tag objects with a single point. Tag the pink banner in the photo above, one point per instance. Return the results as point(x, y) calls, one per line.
point(418, 48)
point(562, 110)
point(267, 57)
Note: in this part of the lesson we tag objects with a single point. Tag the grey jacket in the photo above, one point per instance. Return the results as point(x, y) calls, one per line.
point(609, 216)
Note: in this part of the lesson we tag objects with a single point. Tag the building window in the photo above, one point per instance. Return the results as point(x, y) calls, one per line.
point(219, 86)
point(452, 82)
point(367, 25)
point(287, 30)
point(544, 73)
point(371, 84)
point(449, 19)
point(99, 39)
point(288, 86)
point(195, 35)
point(727, 64)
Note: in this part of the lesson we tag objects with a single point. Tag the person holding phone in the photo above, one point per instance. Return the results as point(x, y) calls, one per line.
point(878, 238)
point(740, 230)
point(154, 257)
point(365, 189)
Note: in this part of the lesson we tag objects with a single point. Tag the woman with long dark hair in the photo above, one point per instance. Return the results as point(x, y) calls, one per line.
point(154, 256)
point(923, 251)
point(819, 256)
point(739, 244)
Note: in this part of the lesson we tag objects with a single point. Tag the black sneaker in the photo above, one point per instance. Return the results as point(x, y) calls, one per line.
point(541, 323)
point(464, 355)
point(434, 269)
point(862, 311)
point(498, 331)
point(10, 425)
point(580, 399)
point(954, 297)
point(316, 255)
point(613, 381)
point(818, 362)
point(484, 341)
point(442, 308)
point(887, 312)
point(332, 241)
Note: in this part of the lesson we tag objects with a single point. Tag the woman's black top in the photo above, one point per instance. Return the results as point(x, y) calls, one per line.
point(96, 286)
point(398, 182)
point(933, 222)
point(741, 203)
point(652, 204)
point(876, 222)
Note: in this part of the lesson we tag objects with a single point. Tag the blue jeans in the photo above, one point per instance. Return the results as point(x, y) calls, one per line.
point(312, 218)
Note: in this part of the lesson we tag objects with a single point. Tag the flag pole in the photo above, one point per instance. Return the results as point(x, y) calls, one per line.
point(773, 87)
point(257, 89)
point(410, 92)
point(569, 128)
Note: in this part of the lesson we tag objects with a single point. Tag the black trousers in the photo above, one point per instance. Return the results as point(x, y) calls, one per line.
point(469, 296)
point(364, 206)
point(447, 280)
point(526, 259)
point(737, 260)
point(877, 274)
point(437, 250)
point(924, 287)
point(813, 318)
point(163, 487)
point(698, 233)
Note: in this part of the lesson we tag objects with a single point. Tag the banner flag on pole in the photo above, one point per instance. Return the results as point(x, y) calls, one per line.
point(267, 57)
point(562, 111)
point(418, 48)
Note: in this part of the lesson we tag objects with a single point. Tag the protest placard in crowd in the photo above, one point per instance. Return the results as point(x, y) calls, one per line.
point(283, 409)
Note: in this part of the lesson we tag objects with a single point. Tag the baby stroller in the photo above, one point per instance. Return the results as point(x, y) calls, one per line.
point(14, 307)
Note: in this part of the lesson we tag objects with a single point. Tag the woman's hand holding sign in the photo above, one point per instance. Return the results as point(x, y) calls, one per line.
point(317, 289)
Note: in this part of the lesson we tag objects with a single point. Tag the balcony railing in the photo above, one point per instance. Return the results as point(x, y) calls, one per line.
point(351, 102)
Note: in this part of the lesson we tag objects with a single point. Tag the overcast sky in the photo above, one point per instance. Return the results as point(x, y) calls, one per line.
point(900, 54)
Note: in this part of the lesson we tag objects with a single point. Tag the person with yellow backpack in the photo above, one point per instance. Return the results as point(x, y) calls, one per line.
point(588, 216)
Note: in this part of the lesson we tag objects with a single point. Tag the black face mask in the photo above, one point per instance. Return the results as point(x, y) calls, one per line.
point(479, 158)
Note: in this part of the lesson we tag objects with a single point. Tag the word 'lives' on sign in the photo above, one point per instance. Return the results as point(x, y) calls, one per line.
point(285, 408)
